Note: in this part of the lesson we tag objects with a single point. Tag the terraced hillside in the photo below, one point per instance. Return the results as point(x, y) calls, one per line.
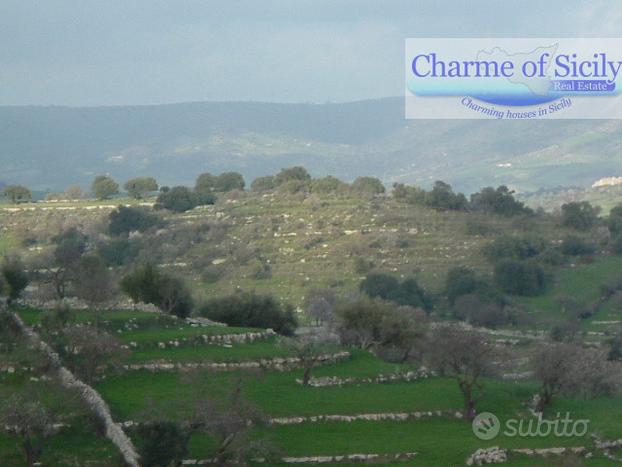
point(405, 422)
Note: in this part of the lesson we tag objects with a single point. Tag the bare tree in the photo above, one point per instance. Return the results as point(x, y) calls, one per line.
point(228, 422)
point(89, 349)
point(564, 368)
point(94, 284)
point(320, 305)
point(30, 422)
point(308, 349)
point(467, 357)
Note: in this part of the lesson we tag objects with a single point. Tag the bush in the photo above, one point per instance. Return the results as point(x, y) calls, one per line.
point(119, 251)
point(124, 220)
point(14, 278)
point(229, 181)
point(181, 199)
point(500, 201)
point(387, 287)
point(579, 215)
point(368, 185)
point(520, 278)
point(247, 309)
point(508, 247)
point(408, 194)
point(362, 265)
point(162, 444)
point(443, 198)
point(292, 173)
point(576, 246)
point(461, 281)
point(266, 183)
point(148, 285)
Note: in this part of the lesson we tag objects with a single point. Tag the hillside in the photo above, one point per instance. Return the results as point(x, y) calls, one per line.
point(175, 142)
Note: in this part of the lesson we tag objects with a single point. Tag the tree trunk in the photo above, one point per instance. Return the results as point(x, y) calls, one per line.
point(306, 377)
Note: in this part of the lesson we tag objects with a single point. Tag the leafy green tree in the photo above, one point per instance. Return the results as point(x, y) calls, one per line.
point(379, 285)
point(104, 187)
point(328, 184)
point(461, 281)
point(248, 309)
point(205, 186)
point(408, 194)
point(443, 198)
point(149, 285)
point(510, 247)
point(576, 246)
point(261, 184)
point(292, 173)
point(162, 443)
point(387, 287)
point(579, 215)
point(17, 194)
point(499, 201)
point(140, 187)
point(15, 277)
point(181, 199)
point(520, 278)
point(124, 220)
point(368, 185)
point(229, 181)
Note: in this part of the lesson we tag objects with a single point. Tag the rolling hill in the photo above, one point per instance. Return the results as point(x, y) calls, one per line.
point(52, 147)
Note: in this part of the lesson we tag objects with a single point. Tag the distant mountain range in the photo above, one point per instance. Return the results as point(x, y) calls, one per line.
point(53, 147)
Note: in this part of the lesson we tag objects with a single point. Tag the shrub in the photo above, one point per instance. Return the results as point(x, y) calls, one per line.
point(266, 183)
point(148, 285)
point(443, 198)
point(368, 185)
point(119, 251)
point(248, 309)
point(181, 199)
point(519, 278)
point(500, 201)
point(387, 287)
point(460, 281)
point(576, 246)
point(162, 444)
point(14, 278)
point(508, 247)
point(362, 265)
point(124, 220)
point(579, 215)
point(229, 181)
point(408, 194)
point(292, 173)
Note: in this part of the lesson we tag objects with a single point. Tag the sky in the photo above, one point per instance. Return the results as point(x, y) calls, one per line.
point(128, 52)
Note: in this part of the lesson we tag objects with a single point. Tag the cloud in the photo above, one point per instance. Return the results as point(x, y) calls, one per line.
point(86, 52)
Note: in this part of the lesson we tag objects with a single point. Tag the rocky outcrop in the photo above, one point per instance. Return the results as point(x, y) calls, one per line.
point(113, 431)
point(279, 364)
point(493, 455)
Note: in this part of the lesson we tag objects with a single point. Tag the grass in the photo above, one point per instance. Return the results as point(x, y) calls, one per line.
point(581, 283)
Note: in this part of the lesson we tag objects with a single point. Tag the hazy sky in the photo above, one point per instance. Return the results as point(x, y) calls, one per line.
point(96, 52)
